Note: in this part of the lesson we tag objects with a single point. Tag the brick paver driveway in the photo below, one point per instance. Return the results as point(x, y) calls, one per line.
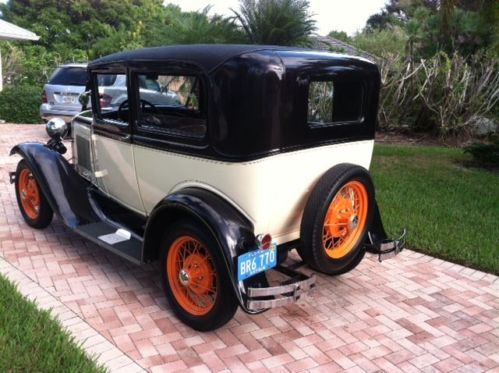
point(410, 313)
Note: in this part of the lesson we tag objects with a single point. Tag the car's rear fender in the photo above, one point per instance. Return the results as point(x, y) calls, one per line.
point(64, 188)
point(233, 232)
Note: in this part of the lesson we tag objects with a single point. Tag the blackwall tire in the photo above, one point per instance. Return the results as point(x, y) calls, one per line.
point(196, 282)
point(32, 203)
point(336, 220)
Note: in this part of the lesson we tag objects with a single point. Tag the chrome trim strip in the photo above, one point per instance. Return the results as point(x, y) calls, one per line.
point(296, 289)
point(284, 289)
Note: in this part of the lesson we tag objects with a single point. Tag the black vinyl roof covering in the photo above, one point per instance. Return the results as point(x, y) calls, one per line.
point(206, 56)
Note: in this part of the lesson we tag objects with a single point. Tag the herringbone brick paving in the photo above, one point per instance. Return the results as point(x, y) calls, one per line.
point(411, 313)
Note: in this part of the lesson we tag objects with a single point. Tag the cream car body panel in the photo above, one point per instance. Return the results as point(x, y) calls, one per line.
point(114, 165)
point(271, 191)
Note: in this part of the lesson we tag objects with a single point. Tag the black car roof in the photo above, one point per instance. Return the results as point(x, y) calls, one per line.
point(206, 56)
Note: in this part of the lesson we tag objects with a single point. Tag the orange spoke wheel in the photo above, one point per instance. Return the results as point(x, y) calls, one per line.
point(29, 193)
point(33, 204)
point(345, 220)
point(192, 275)
point(196, 281)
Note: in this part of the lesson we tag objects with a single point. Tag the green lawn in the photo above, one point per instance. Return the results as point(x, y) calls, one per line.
point(449, 210)
point(32, 341)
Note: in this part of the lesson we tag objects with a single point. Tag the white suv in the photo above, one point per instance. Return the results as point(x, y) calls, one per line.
point(60, 94)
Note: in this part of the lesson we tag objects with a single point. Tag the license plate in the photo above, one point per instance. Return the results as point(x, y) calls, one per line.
point(257, 261)
point(68, 99)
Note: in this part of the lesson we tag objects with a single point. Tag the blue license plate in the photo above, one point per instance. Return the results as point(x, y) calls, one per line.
point(256, 261)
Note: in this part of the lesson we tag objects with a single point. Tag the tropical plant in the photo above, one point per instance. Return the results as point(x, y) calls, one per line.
point(340, 35)
point(278, 22)
point(383, 42)
point(197, 27)
point(443, 94)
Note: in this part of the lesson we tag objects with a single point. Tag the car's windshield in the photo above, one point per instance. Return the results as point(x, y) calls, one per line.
point(69, 76)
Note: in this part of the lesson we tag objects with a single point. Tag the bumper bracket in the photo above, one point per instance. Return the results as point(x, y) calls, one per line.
point(287, 292)
point(386, 248)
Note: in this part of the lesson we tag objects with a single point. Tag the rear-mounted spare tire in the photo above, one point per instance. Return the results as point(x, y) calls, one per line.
point(336, 220)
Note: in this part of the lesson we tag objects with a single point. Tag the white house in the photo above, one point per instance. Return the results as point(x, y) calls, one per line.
point(9, 31)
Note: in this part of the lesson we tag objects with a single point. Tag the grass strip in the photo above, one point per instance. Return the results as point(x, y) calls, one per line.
point(31, 340)
point(450, 211)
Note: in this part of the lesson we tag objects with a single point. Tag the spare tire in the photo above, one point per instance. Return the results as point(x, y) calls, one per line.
point(336, 219)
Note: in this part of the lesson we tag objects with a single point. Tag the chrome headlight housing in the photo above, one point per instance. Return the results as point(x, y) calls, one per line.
point(56, 128)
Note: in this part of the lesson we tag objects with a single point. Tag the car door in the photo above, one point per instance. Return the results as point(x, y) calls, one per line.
point(171, 119)
point(113, 153)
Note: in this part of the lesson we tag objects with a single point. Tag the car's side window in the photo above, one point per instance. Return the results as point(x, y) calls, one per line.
point(112, 98)
point(333, 103)
point(171, 104)
point(320, 102)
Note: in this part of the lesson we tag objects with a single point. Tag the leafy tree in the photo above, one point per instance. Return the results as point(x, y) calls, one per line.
point(91, 26)
point(396, 12)
point(434, 25)
point(279, 22)
point(77, 31)
point(196, 27)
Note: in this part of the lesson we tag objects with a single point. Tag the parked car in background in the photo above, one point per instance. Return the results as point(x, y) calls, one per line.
point(60, 94)
point(60, 97)
point(113, 91)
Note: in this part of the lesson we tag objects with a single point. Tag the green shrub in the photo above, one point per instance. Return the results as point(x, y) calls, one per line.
point(382, 43)
point(442, 94)
point(486, 155)
point(20, 104)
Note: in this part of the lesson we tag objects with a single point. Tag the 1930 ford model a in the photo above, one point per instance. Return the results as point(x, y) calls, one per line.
point(217, 160)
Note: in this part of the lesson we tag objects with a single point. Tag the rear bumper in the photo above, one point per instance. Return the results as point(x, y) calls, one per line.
point(289, 291)
point(385, 248)
point(47, 113)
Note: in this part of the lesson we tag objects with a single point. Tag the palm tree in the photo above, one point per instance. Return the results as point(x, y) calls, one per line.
point(278, 22)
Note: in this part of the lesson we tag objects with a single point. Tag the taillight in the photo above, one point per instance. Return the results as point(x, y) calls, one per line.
point(44, 97)
point(104, 100)
point(264, 241)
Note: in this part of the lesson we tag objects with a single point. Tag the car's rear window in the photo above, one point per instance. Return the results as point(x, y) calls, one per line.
point(69, 76)
point(333, 103)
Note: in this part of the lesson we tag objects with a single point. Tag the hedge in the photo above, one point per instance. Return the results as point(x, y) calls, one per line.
point(20, 104)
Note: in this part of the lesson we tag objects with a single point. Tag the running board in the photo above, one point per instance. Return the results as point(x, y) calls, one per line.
point(117, 240)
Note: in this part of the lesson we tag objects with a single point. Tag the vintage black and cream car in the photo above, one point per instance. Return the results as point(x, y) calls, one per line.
point(217, 160)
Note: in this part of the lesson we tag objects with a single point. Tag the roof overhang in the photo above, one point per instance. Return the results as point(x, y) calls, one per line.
point(9, 31)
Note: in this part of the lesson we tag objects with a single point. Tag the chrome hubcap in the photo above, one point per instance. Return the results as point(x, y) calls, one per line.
point(354, 220)
point(183, 277)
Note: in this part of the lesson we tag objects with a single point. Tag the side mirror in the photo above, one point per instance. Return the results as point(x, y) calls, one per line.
point(84, 99)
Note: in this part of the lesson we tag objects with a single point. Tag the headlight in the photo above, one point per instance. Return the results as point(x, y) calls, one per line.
point(57, 128)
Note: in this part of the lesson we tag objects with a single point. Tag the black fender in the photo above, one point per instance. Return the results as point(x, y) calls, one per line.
point(377, 230)
point(232, 230)
point(66, 191)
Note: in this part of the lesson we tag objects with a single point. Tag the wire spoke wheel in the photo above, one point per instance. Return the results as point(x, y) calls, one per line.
point(336, 220)
point(29, 193)
point(196, 281)
point(192, 275)
point(345, 220)
point(32, 203)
